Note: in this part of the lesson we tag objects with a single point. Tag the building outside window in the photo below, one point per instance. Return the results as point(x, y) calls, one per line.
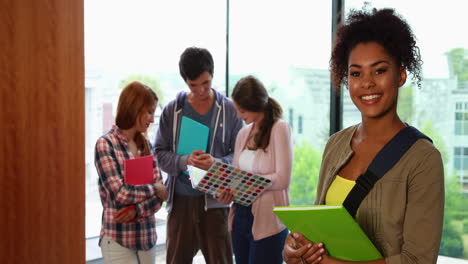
point(140, 40)
point(461, 165)
point(299, 124)
point(461, 118)
point(291, 118)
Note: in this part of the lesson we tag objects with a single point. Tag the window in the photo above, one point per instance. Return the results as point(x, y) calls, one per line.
point(140, 40)
point(287, 45)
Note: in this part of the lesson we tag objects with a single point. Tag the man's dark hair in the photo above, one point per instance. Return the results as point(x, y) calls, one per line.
point(195, 61)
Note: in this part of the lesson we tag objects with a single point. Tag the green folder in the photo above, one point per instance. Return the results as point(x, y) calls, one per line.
point(192, 136)
point(341, 235)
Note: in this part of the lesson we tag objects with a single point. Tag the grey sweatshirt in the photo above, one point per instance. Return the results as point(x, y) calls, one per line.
point(224, 128)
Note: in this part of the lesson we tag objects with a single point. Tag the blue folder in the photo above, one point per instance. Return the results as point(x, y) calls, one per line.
point(192, 136)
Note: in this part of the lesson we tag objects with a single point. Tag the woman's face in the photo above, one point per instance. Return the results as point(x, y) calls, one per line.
point(247, 116)
point(373, 80)
point(145, 119)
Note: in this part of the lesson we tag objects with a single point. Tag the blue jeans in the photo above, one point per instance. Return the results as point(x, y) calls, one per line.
point(250, 251)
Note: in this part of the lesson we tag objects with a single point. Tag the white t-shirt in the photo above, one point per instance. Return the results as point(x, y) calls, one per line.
point(246, 159)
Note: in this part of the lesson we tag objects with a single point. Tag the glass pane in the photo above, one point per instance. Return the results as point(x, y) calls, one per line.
point(299, 125)
point(464, 180)
point(464, 163)
point(445, 72)
point(457, 165)
point(464, 177)
point(286, 44)
point(141, 40)
point(458, 128)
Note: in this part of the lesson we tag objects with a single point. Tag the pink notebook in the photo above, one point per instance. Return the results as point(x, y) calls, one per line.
point(139, 171)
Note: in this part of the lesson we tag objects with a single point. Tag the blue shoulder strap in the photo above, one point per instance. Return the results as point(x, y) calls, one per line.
point(387, 157)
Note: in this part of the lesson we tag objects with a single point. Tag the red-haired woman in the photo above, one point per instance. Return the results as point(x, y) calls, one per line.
point(128, 233)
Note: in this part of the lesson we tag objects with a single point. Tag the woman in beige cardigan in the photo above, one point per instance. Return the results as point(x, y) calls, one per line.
point(263, 147)
point(402, 214)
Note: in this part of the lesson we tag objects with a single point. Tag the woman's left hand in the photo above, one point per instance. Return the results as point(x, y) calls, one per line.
point(125, 214)
point(298, 250)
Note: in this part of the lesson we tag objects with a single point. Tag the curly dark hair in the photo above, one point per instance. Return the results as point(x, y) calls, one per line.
point(383, 26)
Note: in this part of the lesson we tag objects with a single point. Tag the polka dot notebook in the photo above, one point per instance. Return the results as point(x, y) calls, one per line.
point(244, 185)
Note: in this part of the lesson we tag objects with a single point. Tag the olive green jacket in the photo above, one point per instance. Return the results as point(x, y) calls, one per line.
point(403, 214)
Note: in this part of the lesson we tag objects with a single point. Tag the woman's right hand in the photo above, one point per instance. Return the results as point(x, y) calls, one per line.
point(297, 250)
point(224, 198)
point(161, 190)
point(126, 214)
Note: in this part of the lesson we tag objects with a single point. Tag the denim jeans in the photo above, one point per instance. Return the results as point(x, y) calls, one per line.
point(250, 251)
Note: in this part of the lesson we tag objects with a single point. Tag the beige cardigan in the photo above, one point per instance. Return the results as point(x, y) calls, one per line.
point(403, 213)
point(274, 164)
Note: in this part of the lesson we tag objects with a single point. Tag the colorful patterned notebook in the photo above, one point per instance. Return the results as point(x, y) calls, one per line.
point(244, 185)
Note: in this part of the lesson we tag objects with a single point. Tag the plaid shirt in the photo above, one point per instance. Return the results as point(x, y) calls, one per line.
point(110, 153)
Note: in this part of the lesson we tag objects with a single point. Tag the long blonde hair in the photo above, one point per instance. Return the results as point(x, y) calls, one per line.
point(134, 99)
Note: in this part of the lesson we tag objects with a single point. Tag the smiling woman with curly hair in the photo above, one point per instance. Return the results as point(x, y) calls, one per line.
point(383, 27)
point(402, 214)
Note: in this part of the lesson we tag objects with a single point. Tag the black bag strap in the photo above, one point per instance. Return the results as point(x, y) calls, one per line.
point(381, 164)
